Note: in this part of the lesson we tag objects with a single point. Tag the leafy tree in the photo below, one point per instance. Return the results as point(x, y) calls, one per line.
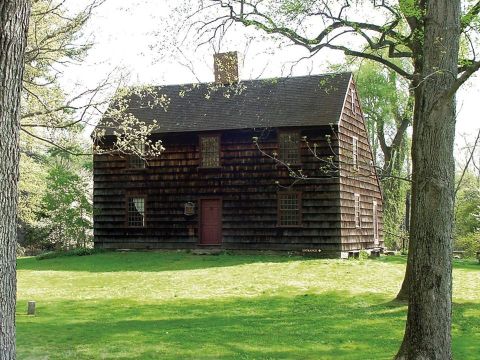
point(49, 116)
point(32, 187)
point(427, 34)
point(387, 107)
point(53, 44)
point(467, 214)
point(55, 119)
point(66, 209)
point(467, 206)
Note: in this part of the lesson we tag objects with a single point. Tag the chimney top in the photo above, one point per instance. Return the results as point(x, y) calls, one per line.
point(226, 67)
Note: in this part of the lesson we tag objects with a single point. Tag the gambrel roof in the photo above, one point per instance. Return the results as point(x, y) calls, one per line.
point(313, 100)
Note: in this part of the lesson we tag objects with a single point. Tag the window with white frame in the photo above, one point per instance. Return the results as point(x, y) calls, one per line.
point(358, 218)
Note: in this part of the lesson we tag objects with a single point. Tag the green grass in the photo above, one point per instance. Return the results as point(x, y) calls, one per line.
point(181, 306)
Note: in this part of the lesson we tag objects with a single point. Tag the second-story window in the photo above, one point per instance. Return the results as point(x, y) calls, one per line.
point(210, 151)
point(136, 159)
point(289, 143)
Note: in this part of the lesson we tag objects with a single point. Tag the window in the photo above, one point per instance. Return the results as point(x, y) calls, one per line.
point(354, 108)
point(210, 151)
point(136, 212)
point(289, 147)
point(375, 223)
point(289, 209)
point(136, 160)
point(358, 218)
point(355, 153)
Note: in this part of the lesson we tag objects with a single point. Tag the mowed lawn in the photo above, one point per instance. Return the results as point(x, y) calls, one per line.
point(175, 305)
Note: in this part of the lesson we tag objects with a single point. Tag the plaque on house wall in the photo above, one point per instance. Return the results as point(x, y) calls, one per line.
point(189, 208)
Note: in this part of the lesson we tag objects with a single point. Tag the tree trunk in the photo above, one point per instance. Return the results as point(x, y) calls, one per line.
point(428, 328)
point(405, 289)
point(13, 36)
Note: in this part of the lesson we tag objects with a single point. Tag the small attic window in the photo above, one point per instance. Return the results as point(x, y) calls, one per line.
point(355, 153)
point(354, 106)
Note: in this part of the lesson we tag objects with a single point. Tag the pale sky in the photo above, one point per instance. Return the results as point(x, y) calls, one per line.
point(136, 37)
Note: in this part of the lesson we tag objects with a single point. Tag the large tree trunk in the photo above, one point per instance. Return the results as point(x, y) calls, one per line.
point(405, 289)
point(13, 36)
point(428, 328)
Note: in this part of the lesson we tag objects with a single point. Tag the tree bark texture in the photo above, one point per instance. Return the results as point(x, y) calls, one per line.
point(13, 36)
point(428, 328)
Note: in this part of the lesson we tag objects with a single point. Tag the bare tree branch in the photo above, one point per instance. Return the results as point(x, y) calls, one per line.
point(470, 158)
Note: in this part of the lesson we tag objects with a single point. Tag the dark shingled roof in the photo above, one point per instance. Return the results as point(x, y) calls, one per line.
point(280, 102)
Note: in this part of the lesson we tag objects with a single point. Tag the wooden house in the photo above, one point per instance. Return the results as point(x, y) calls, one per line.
point(222, 181)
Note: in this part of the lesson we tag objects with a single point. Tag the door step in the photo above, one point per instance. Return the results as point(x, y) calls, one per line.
point(207, 251)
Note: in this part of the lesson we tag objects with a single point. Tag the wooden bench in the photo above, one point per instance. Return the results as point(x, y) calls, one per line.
point(458, 254)
point(389, 252)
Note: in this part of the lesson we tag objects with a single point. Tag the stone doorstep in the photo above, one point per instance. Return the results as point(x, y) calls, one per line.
point(207, 251)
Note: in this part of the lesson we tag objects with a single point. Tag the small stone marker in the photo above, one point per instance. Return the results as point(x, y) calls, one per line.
point(31, 308)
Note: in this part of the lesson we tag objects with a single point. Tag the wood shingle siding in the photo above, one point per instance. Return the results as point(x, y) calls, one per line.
point(362, 181)
point(248, 184)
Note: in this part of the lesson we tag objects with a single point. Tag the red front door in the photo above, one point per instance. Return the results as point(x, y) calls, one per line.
point(211, 222)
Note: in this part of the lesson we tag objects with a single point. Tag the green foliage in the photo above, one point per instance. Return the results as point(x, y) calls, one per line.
point(470, 243)
point(295, 7)
point(467, 215)
point(394, 194)
point(467, 206)
point(363, 255)
point(55, 209)
point(66, 207)
point(385, 102)
point(410, 8)
point(384, 95)
point(32, 186)
point(173, 305)
point(53, 42)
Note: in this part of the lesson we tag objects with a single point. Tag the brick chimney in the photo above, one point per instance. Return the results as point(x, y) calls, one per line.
point(226, 67)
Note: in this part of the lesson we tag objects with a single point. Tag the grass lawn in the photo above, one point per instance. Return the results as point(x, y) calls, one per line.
point(176, 305)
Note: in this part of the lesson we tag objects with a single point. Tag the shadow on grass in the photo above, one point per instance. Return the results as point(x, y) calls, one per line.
point(331, 325)
point(327, 326)
point(147, 261)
